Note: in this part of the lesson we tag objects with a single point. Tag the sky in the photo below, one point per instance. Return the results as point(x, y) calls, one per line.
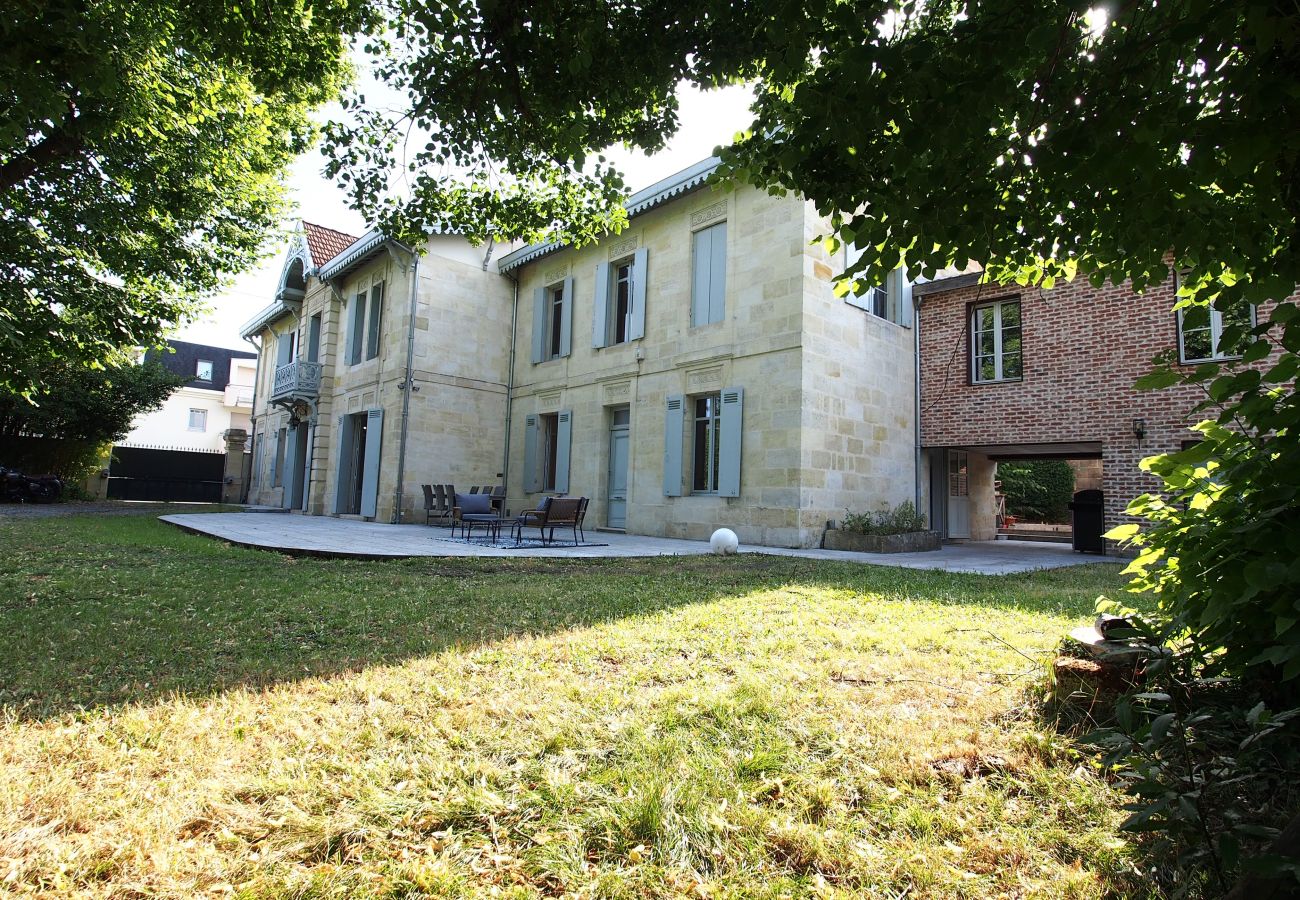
point(708, 119)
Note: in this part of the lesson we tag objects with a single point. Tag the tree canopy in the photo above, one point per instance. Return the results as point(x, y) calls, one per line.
point(141, 151)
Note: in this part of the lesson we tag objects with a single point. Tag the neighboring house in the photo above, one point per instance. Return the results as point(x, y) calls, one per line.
point(694, 371)
point(177, 452)
point(1024, 373)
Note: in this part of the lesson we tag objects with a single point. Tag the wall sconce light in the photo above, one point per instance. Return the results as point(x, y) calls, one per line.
point(1139, 430)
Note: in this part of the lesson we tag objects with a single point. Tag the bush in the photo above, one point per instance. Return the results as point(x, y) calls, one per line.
point(902, 519)
point(1039, 490)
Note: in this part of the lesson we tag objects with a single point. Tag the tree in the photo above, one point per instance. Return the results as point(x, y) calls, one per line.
point(1038, 490)
point(78, 410)
point(141, 151)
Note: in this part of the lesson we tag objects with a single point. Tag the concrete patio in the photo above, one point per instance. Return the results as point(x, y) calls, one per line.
point(330, 537)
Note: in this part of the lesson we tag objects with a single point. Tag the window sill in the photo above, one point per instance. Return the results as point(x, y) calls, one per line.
point(997, 381)
point(1209, 359)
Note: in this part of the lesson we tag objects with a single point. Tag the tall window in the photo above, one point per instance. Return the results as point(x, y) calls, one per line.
point(1200, 336)
point(356, 334)
point(198, 420)
point(554, 320)
point(203, 371)
point(705, 443)
point(620, 310)
point(549, 423)
point(995, 342)
point(376, 320)
point(709, 275)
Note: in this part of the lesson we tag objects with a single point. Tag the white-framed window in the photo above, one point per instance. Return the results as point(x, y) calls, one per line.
point(548, 434)
point(554, 322)
point(996, 353)
point(1200, 332)
point(203, 371)
point(619, 319)
point(356, 333)
point(373, 332)
point(709, 275)
point(366, 323)
point(706, 443)
point(198, 420)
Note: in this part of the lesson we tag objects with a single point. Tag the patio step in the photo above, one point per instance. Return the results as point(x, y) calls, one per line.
point(265, 509)
point(1042, 537)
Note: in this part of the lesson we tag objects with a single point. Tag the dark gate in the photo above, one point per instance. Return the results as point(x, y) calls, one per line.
point(183, 476)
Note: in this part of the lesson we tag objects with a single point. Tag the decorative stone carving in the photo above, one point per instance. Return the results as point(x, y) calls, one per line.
point(704, 379)
point(708, 213)
point(623, 246)
point(617, 391)
point(548, 402)
point(559, 273)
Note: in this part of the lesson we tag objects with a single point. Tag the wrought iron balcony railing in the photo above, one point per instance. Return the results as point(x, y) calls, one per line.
point(296, 379)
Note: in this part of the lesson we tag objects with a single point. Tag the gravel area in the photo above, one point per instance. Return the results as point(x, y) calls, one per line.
point(104, 508)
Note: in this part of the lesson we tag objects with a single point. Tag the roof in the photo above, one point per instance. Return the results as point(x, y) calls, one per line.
point(943, 285)
point(644, 200)
point(325, 243)
point(359, 251)
point(185, 358)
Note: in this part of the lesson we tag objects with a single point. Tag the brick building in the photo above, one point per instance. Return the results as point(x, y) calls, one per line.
point(1023, 373)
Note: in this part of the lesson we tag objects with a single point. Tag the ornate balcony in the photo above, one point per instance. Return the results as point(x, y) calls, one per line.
point(299, 379)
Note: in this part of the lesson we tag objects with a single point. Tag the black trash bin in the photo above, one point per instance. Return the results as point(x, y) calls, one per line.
point(1089, 520)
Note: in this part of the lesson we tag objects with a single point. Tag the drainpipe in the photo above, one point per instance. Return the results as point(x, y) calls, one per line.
point(916, 425)
point(510, 381)
point(408, 384)
point(252, 419)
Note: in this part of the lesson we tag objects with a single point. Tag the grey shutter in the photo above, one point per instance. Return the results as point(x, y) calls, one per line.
point(718, 273)
point(313, 339)
point(566, 319)
point(290, 465)
point(531, 482)
point(733, 401)
point(700, 258)
point(539, 324)
point(636, 328)
point(356, 335)
point(600, 318)
point(563, 438)
point(284, 349)
point(376, 320)
point(370, 476)
point(345, 463)
point(674, 422)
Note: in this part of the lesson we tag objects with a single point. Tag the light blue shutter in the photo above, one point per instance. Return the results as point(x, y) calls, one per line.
point(636, 328)
point(563, 438)
point(370, 476)
point(718, 273)
point(313, 339)
point(345, 463)
point(733, 401)
point(600, 318)
point(291, 465)
point(700, 259)
point(566, 319)
point(376, 320)
point(674, 422)
point(356, 335)
point(531, 481)
point(539, 324)
point(284, 349)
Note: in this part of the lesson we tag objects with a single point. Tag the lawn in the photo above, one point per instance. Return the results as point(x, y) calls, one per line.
point(185, 718)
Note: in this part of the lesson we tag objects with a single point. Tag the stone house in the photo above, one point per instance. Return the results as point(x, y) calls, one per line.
point(694, 371)
point(1012, 373)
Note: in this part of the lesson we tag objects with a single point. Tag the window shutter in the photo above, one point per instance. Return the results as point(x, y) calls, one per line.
point(370, 474)
point(531, 481)
point(600, 316)
point(566, 319)
point(356, 333)
point(563, 438)
point(313, 339)
point(733, 400)
point(345, 462)
point(636, 328)
point(290, 464)
point(376, 320)
point(539, 323)
point(718, 273)
point(284, 349)
point(674, 422)
point(701, 256)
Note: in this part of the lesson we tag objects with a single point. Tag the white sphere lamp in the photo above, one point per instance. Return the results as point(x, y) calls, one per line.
point(724, 542)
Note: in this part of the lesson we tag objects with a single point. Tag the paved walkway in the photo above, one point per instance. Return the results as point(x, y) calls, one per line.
point(326, 536)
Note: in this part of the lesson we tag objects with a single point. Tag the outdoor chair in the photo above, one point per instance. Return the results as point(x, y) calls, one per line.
point(473, 489)
point(430, 502)
point(582, 514)
point(474, 510)
point(499, 498)
point(444, 501)
point(553, 513)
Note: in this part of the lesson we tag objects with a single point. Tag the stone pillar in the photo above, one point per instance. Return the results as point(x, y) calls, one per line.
point(233, 489)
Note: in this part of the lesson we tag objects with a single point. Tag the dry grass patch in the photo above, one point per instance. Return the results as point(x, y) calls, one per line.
point(752, 727)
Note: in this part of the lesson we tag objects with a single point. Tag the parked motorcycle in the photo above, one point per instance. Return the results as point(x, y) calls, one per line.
point(15, 487)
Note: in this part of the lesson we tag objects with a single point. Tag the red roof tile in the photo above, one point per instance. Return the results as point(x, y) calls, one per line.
point(325, 243)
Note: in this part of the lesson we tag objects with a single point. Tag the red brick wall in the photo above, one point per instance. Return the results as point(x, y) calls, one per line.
point(1083, 349)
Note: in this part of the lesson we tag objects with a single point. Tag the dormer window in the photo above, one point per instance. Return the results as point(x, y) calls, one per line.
point(203, 371)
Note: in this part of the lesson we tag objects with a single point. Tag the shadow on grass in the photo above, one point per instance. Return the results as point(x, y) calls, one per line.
point(108, 610)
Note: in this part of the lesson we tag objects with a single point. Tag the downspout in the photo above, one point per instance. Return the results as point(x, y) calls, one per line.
point(252, 420)
point(510, 382)
point(916, 410)
point(408, 384)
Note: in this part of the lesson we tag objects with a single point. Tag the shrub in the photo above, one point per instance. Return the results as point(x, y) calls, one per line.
point(1038, 490)
point(902, 519)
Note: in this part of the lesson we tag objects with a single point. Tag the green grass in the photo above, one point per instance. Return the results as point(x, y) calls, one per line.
point(186, 718)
